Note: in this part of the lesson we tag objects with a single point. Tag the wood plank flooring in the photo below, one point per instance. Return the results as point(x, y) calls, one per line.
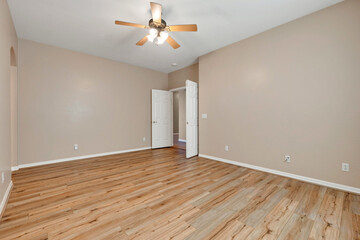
point(158, 194)
point(177, 144)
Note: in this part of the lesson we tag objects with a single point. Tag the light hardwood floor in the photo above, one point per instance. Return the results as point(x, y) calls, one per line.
point(177, 144)
point(158, 194)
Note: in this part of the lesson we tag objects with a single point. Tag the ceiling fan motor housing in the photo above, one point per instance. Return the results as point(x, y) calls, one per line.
point(159, 27)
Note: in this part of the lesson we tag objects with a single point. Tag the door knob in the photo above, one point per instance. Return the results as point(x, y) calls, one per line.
point(187, 123)
point(154, 121)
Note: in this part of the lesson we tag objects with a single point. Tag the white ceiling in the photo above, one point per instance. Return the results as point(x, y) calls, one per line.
point(88, 25)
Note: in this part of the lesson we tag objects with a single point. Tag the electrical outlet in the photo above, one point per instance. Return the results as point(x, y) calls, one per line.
point(226, 148)
point(2, 178)
point(345, 167)
point(287, 158)
point(144, 139)
point(76, 147)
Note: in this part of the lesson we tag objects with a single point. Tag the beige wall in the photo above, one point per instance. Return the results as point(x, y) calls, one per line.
point(177, 79)
point(8, 39)
point(291, 90)
point(176, 112)
point(182, 115)
point(68, 98)
point(13, 117)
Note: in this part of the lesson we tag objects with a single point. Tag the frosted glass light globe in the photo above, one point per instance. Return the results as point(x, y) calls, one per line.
point(150, 38)
point(164, 35)
point(153, 32)
point(159, 40)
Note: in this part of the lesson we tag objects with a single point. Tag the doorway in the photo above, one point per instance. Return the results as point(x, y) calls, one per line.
point(179, 118)
point(175, 118)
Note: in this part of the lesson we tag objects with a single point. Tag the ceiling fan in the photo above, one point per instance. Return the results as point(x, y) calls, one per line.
point(158, 28)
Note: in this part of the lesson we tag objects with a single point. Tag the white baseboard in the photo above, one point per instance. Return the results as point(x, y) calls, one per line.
point(289, 175)
point(14, 168)
point(77, 158)
point(182, 140)
point(5, 198)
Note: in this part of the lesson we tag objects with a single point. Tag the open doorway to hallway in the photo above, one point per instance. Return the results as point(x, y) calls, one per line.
point(179, 119)
point(186, 105)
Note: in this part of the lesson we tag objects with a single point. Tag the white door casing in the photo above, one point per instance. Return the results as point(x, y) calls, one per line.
point(162, 114)
point(192, 125)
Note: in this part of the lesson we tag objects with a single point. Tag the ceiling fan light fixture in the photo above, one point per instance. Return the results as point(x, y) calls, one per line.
point(159, 40)
point(157, 27)
point(164, 35)
point(151, 38)
point(153, 32)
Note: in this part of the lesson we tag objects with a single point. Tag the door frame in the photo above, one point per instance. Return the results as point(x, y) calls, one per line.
point(184, 88)
point(177, 89)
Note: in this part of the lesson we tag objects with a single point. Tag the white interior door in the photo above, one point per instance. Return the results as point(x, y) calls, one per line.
point(192, 126)
point(162, 114)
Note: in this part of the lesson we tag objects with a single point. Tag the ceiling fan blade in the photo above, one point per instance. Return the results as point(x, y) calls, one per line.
point(142, 41)
point(172, 42)
point(183, 28)
point(130, 24)
point(156, 12)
